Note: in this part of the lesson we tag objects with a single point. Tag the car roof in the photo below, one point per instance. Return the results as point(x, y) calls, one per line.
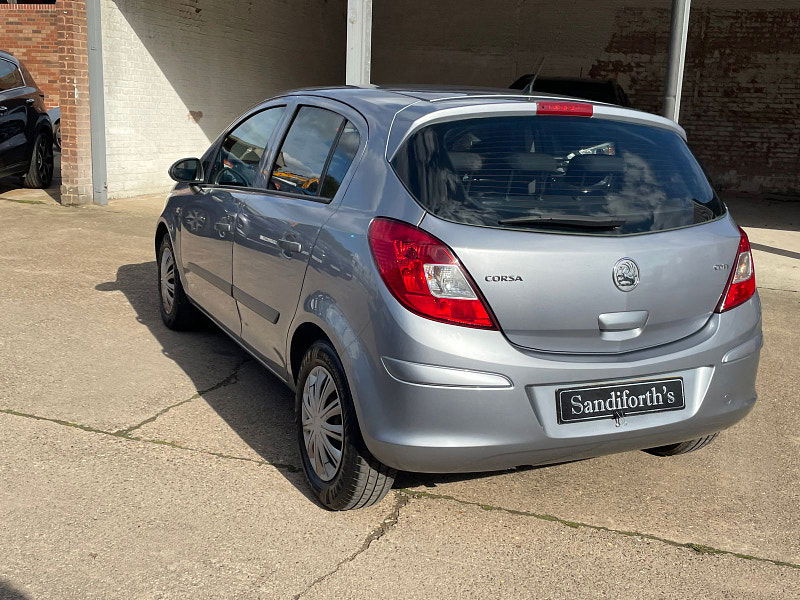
point(384, 103)
point(9, 56)
point(409, 94)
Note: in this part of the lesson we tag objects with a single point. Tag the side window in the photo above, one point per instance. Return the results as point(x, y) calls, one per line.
point(343, 156)
point(243, 148)
point(304, 153)
point(10, 77)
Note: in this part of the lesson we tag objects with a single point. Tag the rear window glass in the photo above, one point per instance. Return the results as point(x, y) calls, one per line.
point(566, 174)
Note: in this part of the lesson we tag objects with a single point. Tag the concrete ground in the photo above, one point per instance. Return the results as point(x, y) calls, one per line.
point(142, 463)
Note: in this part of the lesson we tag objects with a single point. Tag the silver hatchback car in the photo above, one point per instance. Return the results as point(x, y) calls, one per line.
point(466, 280)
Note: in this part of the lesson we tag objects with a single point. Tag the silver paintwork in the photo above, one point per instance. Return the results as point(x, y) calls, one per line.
point(436, 397)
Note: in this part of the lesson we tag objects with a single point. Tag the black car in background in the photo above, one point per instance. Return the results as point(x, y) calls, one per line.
point(599, 90)
point(26, 134)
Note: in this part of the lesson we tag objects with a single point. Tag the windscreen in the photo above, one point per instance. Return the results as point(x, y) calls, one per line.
point(555, 173)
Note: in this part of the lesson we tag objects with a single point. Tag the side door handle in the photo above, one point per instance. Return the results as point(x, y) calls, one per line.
point(30, 101)
point(290, 246)
point(3, 109)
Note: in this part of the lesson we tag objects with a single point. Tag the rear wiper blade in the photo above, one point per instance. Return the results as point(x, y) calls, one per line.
point(577, 222)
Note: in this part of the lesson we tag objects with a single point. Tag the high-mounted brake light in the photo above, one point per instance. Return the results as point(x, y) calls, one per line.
point(570, 109)
point(742, 281)
point(425, 276)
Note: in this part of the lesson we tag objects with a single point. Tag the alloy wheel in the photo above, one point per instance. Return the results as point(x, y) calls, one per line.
point(44, 159)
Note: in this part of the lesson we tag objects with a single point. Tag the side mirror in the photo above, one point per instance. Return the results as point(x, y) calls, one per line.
point(187, 170)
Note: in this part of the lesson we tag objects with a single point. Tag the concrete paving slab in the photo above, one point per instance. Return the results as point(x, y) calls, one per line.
point(87, 515)
point(251, 418)
point(81, 337)
point(443, 549)
point(740, 494)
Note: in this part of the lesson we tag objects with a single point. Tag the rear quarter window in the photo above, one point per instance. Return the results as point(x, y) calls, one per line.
point(566, 174)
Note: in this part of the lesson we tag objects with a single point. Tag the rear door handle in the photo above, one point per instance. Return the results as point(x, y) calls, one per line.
point(3, 109)
point(290, 246)
point(30, 101)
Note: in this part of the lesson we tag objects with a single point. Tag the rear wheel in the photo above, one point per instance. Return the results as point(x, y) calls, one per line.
point(40, 171)
point(176, 310)
point(682, 447)
point(57, 135)
point(337, 464)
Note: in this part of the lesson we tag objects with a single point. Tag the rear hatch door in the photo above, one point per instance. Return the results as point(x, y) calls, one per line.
point(559, 293)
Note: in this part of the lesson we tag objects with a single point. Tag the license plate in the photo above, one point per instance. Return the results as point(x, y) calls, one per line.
point(619, 400)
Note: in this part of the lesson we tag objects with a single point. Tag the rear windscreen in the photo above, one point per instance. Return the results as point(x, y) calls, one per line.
point(554, 173)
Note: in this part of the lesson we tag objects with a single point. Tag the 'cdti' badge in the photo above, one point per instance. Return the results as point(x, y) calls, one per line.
point(626, 274)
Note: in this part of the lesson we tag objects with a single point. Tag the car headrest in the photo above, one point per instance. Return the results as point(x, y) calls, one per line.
point(532, 161)
point(596, 163)
point(465, 161)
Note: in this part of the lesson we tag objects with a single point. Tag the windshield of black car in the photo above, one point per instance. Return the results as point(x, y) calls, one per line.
point(485, 171)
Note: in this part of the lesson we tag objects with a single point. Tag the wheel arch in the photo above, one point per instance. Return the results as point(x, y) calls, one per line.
point(302, 339)
point(161, 231)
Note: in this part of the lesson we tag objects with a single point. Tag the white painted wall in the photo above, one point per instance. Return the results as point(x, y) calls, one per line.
point(177, 72)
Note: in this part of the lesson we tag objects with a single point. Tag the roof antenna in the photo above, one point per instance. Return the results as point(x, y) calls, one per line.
point(528, 89)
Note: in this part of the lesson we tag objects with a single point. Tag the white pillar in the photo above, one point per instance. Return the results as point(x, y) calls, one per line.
point(677, 58)
point(359, 41)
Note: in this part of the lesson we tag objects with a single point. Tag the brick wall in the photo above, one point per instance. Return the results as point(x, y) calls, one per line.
point(76, 160)
point(51, 41)
point(741, 96)
point(30, 32)
point(177, 73)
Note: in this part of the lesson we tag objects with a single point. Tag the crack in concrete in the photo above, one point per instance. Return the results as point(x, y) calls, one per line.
point(403, 497)
point(699, 548)
point(229, 380)
point(388, 523)
point(290, 468)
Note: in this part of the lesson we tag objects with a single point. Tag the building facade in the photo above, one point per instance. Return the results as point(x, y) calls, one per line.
point(176, 72)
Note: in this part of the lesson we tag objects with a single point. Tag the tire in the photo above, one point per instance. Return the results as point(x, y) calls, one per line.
point(682, 447)
point(358, 479)
point(176, 310)
point(57, 135)
point(40, 171)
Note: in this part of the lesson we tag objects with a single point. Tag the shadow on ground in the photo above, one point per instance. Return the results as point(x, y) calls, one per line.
point(260, 413)
point(9, 592)
point(751, 210)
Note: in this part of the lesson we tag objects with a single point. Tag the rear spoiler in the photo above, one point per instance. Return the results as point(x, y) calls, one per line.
point(404, 126)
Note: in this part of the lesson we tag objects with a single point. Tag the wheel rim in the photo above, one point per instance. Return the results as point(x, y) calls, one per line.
point(44, 159)
point(167, 279)
point(321, 415)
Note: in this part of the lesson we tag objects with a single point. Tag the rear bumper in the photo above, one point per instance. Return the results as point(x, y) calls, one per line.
point(440, 398)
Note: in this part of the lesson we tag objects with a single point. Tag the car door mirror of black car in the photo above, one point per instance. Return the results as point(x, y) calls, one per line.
point(187, 170)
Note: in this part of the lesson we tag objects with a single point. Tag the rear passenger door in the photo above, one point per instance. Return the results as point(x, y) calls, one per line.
point(277, 228)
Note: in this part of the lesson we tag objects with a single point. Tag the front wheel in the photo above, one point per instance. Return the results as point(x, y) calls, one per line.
point(683, 447)
point(341, 471)
point(177, 311)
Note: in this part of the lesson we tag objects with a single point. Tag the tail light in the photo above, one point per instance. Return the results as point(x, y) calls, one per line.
point(742, 281)
point(425, 276)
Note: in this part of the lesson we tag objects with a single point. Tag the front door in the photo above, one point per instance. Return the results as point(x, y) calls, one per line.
point(276, 229)
point(208, 218)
